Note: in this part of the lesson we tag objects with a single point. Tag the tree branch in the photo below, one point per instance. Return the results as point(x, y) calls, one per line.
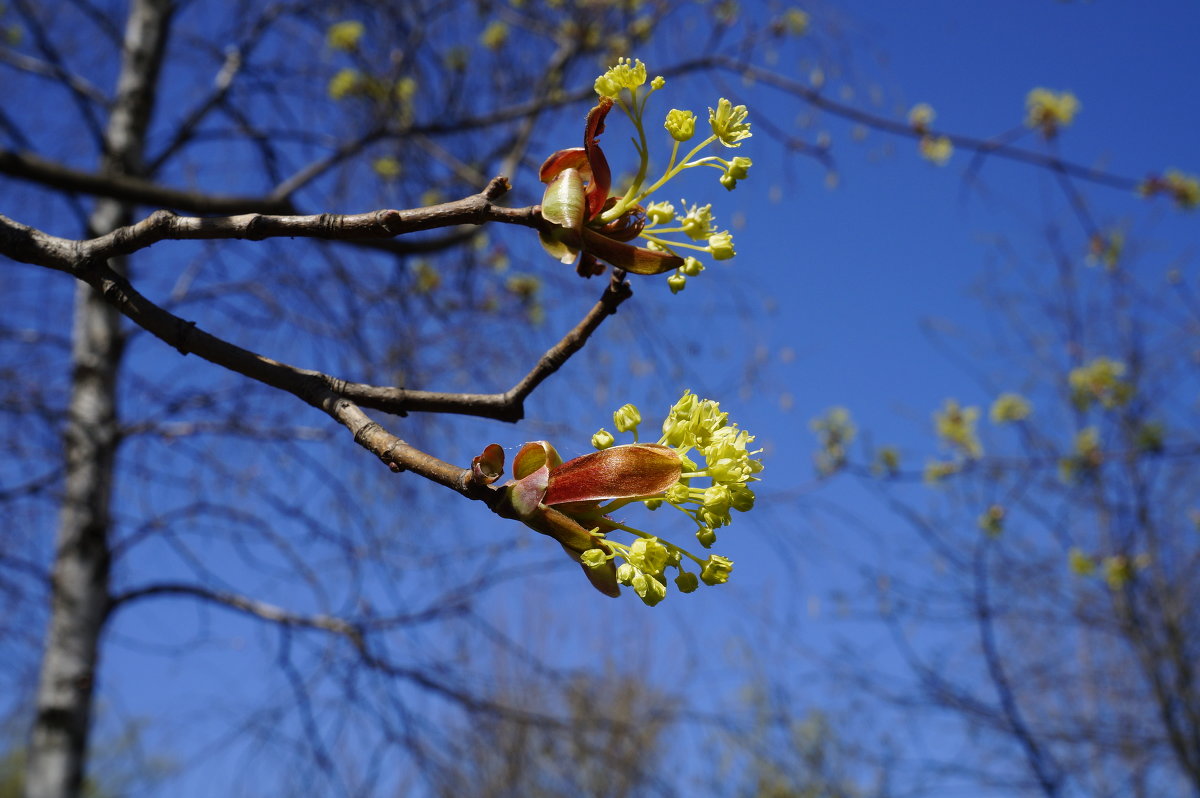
point(27, 166)
point(817, 99)
point(70, 255)
point(87, 261)
point(506, 406)
point(243, 604)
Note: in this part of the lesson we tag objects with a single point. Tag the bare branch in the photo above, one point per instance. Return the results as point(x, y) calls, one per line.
point(164, 225)
point(998, 147)
point(34, 66)
point(249, 606)
point(27, 166)
point(87, 260)
point(507, 406)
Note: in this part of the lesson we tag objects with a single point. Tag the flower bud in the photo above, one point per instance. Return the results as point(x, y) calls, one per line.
point(680, 124)
point(687, 582)
point(707, 537)
point(716, 570)
point(627, 418)
point(626, 573)
point(593, 558)
point(603, 439)
point(742, 497)
point(678, 493)
point(676, 282)
point(649, 590)
point(739, 167)
point(721, 246)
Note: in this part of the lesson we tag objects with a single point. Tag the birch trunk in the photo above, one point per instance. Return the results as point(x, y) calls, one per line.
point(80, 583)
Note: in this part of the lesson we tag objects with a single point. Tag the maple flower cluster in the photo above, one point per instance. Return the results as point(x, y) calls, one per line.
point(590, 221)
point(701, 466)
point(936, 149)
point(1183, 188)
point(1050, 110)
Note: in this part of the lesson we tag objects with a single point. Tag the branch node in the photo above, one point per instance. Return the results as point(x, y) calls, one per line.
point(252, 227)
point(161, 218)
point(365, 430)
point(386, 457)
point(390, 220)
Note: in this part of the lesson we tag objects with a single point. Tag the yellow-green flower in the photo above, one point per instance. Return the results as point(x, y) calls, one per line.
point(345, 35)
point(680, 124)
point(406, 89)
point(1050, 110)
point(721, 245)
point(936, 149)
point(728, 123)
point(660, 212)
point(1010, 407)
point(649, 556)
point(956, 426)
point(495, 35)
point(648, 588)
point(344, 83)
point(992, 521)
point(627, 418)
point(1100, 380)
point(594, 558)
point(625, 75)
point(1118, 570)
point(921, 117)
point(716, 570)
point(736, 170)
point(687, 582)
point(739, 167)
point(1080, 563)
point(936, 471)
point(887, 462)
point(1087, 456)
point(697, 224)
point(603, 439)
point(795, 21)
point(387, 167)
point(676, 282)
point(1183, 188)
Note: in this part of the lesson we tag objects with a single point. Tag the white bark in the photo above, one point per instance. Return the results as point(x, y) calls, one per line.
point(80, 587)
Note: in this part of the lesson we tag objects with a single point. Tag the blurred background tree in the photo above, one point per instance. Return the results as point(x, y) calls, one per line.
point(1058, 621)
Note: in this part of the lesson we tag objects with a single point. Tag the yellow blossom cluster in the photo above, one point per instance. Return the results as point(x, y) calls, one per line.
point(1100, 380)
point(1050, 110)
